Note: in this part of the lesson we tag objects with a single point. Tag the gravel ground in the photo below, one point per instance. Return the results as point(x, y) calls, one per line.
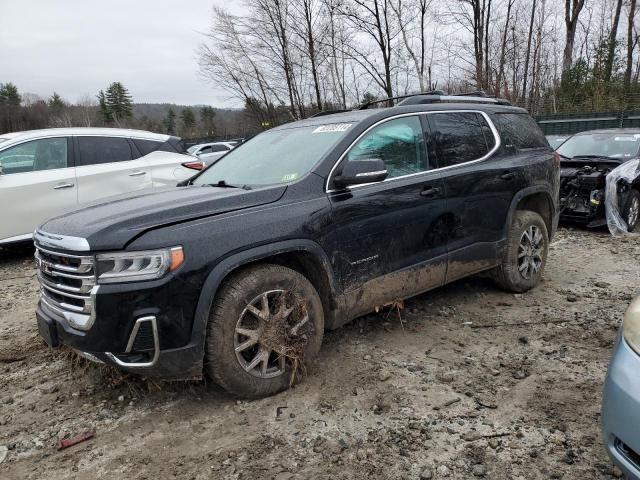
point(466, 382)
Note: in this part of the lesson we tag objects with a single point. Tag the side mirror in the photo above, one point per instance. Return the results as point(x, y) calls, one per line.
point(357, 172)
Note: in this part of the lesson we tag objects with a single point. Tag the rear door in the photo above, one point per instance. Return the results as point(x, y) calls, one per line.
point(479, 185)
point(106, 166)
point(389, 234)
point(164, 161)
point(37, 181)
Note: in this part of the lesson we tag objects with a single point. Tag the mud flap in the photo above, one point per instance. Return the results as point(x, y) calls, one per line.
point(628, 172)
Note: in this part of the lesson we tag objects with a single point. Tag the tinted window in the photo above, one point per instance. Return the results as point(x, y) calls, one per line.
point(95, 150)
point(219, 148)
point(146, 146)
point(44, 154)
point(520, 131)
point(399, 142)
point(458, 137)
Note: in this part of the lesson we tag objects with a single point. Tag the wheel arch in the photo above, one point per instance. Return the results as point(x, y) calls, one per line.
point(535, 199)
point(303, 256)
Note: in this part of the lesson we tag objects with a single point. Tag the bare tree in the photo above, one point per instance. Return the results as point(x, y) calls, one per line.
point(571, 14)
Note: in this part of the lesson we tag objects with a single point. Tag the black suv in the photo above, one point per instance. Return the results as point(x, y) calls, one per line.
point(237, 273)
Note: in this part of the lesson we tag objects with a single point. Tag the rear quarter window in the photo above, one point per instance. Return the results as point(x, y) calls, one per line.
point(145, 147)
point(520, 131)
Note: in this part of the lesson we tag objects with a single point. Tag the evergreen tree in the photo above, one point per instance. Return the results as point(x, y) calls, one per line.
point(105, 113)
point(207, 120)
point(188, 121)
point(55, 102)
point(9, 95)
point(118, 101)
point(170, 122)
point(10, 101)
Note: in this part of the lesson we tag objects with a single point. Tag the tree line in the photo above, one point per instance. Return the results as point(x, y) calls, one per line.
point(287, 59)
point(112, 107)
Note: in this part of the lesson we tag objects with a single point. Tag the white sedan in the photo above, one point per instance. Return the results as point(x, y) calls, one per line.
point(43, 172)
point(208, 152)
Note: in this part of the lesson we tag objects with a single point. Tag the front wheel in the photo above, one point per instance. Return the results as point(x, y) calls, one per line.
point(266, 324)
point(525, 255)
point(631, 212)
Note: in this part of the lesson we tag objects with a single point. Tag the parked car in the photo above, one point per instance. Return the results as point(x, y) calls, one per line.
point(586, 160)
point(43, 172)
point(306, 226)
point(621, 401)
point(208, 152)
point(556, 140)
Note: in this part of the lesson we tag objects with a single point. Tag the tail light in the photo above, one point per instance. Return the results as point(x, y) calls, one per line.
point(195, 165)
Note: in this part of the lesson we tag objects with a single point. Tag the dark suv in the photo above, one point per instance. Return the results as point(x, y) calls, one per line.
point(238, 272)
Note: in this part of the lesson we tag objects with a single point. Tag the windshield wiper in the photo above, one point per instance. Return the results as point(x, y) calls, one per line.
point(223, 184)
point(592, 156)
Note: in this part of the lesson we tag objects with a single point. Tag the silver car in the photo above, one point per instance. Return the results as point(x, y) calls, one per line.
point(208, 152)
point(43, 172)
point(621, 401)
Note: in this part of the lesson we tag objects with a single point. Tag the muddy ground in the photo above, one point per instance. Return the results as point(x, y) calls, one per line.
point(473, 382)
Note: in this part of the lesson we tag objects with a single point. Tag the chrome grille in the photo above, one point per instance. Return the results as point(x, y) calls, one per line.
point(68, 285)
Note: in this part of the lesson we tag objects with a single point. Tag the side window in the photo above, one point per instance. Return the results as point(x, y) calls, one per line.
point(204, 150)
point(96, 150)
point(37, 155)
point(219, 148)
point(458, 136)
point(399, 142)
point(146, 146)
point(520, 131)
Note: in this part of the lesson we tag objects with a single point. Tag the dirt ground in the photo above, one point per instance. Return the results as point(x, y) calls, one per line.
point(468, 382)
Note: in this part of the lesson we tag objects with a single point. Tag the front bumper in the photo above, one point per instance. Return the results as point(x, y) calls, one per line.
point(141, 328)
point(621, 409)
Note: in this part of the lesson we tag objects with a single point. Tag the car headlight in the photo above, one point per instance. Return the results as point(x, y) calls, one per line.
point(136, 266)
point(631, 325)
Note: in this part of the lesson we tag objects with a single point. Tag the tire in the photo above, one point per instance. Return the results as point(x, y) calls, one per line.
point(239, 308)
point(631, 211)
point(518, 273)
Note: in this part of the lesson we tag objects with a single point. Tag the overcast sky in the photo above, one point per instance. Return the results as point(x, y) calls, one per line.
point(77, 47)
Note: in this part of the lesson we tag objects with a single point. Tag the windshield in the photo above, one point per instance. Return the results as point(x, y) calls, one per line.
point(192, 148)
point(275, 156)
point(611, 144)
point(3, 140)
point(555, 141)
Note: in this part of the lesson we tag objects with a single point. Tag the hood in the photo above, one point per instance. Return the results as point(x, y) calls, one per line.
point(579, 162)
point(113, 222)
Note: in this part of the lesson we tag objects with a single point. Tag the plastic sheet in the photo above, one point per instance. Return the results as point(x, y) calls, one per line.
point(627, 172)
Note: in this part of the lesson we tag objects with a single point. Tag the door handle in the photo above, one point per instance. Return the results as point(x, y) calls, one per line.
point(508, 176)
point(63, 185)
point(431, 192)
point(137, 174)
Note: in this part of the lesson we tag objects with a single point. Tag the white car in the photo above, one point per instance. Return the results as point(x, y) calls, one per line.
point(208, 152)
point(43, 172)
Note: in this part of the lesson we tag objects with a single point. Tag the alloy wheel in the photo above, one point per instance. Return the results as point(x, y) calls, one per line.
point(530, 252)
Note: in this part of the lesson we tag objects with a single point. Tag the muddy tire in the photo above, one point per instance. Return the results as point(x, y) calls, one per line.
point(525, 254)
point(265, 326)
point(631, 211)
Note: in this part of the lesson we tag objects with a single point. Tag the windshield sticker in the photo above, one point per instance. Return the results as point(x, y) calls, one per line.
point(289, 177)
point(334, 127)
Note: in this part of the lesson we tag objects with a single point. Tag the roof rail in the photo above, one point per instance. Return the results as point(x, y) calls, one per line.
point(465, 98)
point(364, 106)
point(477, 93)
point(322, 113)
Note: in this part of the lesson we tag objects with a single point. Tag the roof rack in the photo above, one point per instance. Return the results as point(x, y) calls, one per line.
point(471, 97)
point(322, 113)
point(364, 106)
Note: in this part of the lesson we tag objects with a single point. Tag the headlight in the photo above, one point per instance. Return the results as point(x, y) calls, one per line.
point(137, 266)
point(631, 325)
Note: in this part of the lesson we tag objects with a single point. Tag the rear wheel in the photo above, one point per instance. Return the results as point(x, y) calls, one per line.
point(525, 254)
point(266, 324)
point(631, 212)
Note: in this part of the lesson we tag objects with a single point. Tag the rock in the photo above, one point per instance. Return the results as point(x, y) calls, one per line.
point(479, 470)
point(602, 284)
point(447, 377)
point(443, 471)
point(471, 436)
point(4, 451)
point(367, 357)
point(572, 298)
point(121, 398)
point(384, 375)
point(51, 388)
point(426, 474)
point(494, 443)
point(519, 375)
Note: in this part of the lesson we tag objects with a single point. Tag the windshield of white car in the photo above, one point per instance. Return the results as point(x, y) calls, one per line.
point(609, 144)
point(275, 156)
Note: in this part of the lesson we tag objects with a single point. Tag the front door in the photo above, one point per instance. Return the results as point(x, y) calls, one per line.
point(37, 181)
point(389, 236)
